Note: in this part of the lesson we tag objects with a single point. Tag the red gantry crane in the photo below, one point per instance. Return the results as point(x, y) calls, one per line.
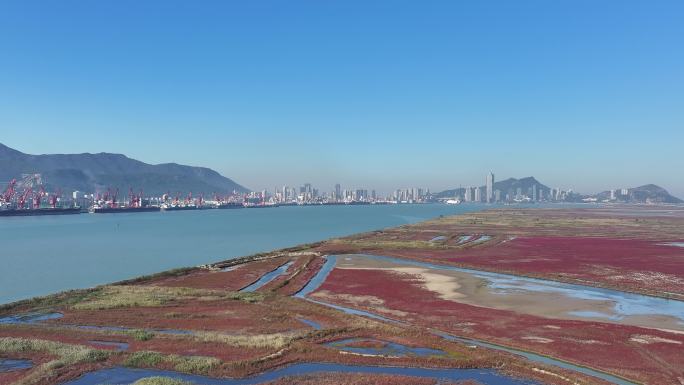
point(9, 191)
point(23, 198)
point(114, 197)
point(52, 198)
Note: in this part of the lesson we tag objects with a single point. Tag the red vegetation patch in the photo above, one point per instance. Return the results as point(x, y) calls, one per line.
point(188, 347)
point(600, 345)
point(226, 316)
point(623, 263)
point(361, 379)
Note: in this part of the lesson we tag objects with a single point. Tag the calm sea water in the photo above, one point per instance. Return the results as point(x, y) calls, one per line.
point(43, 255)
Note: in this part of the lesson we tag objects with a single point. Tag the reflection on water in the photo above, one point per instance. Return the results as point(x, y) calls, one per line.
point(319, 278)
point(120, 346)
point(311, 323)
point(266, 278)
point(7, 365)
point(29, 318)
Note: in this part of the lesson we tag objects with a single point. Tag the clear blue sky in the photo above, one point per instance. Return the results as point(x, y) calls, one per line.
point(584, 94)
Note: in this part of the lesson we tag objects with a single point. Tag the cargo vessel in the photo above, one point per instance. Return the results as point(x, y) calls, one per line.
point(41, 211)
point(166, 207)
point(120, 210)
point(230, 205)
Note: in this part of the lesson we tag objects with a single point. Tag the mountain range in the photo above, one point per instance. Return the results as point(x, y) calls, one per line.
point(647, 193)
point(97, 172)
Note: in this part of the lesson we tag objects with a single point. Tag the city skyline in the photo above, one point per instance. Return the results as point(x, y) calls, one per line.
point(488, 194)
point(380, 94)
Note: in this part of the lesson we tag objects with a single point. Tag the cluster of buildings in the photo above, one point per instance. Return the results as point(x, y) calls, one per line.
point(308, 194)
point(621, 194)
point(515, 193)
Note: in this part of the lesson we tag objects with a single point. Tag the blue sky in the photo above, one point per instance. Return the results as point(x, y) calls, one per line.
point(581, 94)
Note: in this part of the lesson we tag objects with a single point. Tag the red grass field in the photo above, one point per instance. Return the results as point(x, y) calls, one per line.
point(604, 346)
point(628, 264)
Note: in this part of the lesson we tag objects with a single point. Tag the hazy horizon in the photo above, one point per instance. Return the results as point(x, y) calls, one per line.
point(379, 95)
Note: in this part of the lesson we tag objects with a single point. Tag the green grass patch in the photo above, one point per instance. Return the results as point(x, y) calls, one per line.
point(126, 296)
point(185, 364)
point(143, 335)
point(259, 341)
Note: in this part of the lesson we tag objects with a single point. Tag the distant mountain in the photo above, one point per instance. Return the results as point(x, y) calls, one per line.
point(649, 193)
point(96, 172)
point(508, 186)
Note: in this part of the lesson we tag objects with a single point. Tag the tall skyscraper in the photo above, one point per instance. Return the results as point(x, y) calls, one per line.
point(478, 194)
point(338, 192)
point(490, 187)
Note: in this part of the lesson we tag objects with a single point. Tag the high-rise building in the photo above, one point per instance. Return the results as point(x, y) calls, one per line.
point(478, 195)
point(490, 187)
point(534, 193)
point(338, 192)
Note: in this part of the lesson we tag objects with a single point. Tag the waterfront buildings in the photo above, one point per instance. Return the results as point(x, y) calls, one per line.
point(489, 183)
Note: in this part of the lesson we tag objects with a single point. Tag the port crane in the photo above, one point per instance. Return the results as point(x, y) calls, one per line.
point(52, 198)
point(38, 198)
point(114, 196)
point(133, 200)
point(24, 197)
point(9, 191)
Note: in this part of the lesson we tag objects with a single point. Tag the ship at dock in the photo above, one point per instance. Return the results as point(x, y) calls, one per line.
point(12, 212)
point(181, 207)
point(109, 204)
point(122, 209)
point(229, 205)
